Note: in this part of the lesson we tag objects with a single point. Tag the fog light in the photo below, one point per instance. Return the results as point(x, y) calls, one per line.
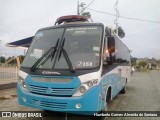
point(78, 105)
point(24, 99)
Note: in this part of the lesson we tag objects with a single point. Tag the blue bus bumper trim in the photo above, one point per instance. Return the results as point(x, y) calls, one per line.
point(89, 102)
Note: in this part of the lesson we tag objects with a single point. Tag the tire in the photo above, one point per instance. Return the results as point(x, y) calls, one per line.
point(48, 113)
point(123, 91)
point(108, 96)
point(103, 111)
point(99, 117)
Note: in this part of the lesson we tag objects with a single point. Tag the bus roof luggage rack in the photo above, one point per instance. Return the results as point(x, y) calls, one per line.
point(71, 18)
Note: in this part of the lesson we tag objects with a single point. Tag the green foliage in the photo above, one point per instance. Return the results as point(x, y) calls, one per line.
point(158, 61)
point(2, 59)
point(153, 65)
point(133, 61)
point(21, 58)
point(143, 64)
point(11, 62)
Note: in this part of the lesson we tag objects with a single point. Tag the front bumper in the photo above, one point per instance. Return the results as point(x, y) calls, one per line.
point(89, 102)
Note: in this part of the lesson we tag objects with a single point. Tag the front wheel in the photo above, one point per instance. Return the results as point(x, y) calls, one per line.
point(99, 117)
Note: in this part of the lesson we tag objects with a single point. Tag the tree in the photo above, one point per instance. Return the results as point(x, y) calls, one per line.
point(133, 61)
point(21, 58)
point(12, 61)
point(158, 61)
point(153, 65)
point(143, 64)
point(2, 59)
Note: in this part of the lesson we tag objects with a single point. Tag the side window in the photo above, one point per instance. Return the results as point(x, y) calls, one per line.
point(122, 53)
point(109, 50)
point(109, 47)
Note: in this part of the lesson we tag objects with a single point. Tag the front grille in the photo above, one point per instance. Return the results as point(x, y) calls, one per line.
point(38, 89)
point(53, 80)
point(51, 91)
point(62, 91)
point(55, 105)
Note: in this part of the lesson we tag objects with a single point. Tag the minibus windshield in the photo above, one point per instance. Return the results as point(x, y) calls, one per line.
point(81, 47)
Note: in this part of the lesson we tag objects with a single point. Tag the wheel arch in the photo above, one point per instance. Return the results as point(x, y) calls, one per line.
point(109, 94)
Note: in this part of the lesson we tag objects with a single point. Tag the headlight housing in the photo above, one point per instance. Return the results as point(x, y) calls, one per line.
point(84, 87)
point(23, 84)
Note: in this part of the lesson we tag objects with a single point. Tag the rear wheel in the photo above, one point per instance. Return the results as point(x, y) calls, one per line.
point(123, 91)
point(108, 95)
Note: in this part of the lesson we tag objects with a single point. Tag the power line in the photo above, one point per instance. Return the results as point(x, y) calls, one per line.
point(88, 5)
point(101, 12)
point(82, 6)
point(140, 19)
point(137, 19)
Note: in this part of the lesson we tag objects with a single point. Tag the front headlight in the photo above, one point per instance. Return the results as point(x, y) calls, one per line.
point(23, 84)
point(90, 84)
point(84, 87)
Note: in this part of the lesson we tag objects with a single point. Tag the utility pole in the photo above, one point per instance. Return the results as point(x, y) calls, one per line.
point(78, 8)
point(116, 23)
point(81, 8)
point(117, 16)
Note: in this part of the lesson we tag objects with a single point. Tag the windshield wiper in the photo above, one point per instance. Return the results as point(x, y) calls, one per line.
point(44, 55)
point(52, 54)
point(62, 50)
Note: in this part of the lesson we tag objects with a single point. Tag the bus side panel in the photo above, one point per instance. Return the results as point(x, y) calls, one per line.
point(115, 80)
point(109, 80)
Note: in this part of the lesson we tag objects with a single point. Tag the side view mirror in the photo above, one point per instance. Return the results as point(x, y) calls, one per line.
point(107, 32)
point(111, 44)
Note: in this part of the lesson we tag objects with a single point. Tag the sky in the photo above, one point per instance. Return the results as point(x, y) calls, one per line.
point(22, 18)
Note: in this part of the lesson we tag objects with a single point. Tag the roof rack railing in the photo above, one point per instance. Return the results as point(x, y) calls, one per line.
point(71, 18)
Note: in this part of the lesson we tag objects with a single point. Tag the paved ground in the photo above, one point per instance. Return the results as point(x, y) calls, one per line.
point(8, 86)
point(143, 94)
